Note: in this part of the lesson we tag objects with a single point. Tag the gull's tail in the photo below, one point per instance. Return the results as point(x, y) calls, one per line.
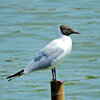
point(20, 73)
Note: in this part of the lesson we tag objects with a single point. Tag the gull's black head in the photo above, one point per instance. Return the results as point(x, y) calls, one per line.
point(66, 30)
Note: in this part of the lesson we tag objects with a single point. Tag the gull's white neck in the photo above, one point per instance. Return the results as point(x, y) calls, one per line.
point(59, 32)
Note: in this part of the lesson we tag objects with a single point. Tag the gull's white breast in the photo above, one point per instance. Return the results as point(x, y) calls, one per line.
point(65, 43)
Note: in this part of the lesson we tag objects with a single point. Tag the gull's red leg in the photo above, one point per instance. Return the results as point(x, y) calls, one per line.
point(52, 74)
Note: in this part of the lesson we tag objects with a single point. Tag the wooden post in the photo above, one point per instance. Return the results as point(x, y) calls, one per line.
point(57, 90)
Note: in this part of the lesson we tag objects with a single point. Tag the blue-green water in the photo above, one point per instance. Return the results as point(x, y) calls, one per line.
point(28, 25)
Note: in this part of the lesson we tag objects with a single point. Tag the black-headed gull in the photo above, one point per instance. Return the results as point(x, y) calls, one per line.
point(51, 54)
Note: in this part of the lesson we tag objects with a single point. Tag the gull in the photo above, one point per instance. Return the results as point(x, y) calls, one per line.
point(50, 55)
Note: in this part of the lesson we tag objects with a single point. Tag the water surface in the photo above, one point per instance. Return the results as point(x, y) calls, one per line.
point(28, 25)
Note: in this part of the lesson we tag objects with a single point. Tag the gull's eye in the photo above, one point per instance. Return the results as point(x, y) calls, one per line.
point(67, 29)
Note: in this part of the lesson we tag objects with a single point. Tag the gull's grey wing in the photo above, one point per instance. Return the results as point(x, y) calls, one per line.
point(47, 57)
